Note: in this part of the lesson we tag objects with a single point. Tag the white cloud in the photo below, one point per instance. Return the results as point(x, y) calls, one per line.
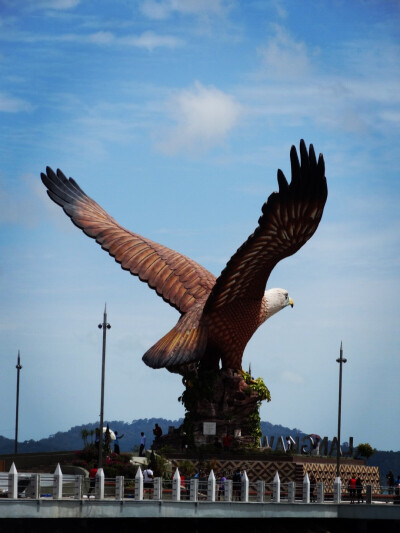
point(283, 57)
point(163, 9)
point(361, 100)
point(101, 37)
point(58, 5)
point(10, 104)
point(16, 206)
point(204, 117)
point(291, 377)
point(147, 39)
point(151, 40)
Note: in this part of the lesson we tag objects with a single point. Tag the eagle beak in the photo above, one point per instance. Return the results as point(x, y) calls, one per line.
point(291, 302)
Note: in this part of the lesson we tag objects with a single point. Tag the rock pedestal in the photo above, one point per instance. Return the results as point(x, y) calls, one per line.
point(231, 403)
point(226, 398)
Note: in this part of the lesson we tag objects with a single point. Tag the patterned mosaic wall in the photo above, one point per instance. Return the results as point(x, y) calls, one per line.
point(369, 475)
point(291, 471)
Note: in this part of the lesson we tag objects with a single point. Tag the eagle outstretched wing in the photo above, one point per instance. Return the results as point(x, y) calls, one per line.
point(290, 217)
point(180, 281)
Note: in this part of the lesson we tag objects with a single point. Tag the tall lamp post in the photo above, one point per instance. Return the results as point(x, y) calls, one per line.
point(18, 367)
point(104, 326)
point(341, 360)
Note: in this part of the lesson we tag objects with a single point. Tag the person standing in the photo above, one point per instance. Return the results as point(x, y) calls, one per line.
point(390, 481)
point(148, 476)
point(157, 431)
point(312, 488)
point(237, 485)
point(359, 488)
point(227, 441)
point(116, 442)
point(352, 488)
point(142, 447)
point(221, 487)
point(92, 478)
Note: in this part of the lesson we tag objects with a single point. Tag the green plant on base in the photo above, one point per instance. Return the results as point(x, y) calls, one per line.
point(257, 386)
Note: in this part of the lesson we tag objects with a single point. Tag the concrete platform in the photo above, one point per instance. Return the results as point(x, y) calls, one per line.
point(73, 509)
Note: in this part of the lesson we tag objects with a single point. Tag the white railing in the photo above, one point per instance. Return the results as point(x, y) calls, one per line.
point(58, 485)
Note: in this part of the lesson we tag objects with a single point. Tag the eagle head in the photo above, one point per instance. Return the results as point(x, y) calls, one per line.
point(273, 301)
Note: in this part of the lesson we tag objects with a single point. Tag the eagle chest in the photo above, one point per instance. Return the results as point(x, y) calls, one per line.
point(233, 326)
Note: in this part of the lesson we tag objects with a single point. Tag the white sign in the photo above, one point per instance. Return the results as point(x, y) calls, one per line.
point(209, 428)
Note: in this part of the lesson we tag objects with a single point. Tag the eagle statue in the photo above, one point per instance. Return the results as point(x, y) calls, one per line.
point(218, 316)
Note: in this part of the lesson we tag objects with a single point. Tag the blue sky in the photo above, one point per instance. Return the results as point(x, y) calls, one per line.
point(175, 115)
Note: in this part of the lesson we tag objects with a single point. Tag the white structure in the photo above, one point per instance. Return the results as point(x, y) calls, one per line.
point(211, 484)
point(306, 489)
point(13, 482)
point(291, 492)
point(58, 483)
point(337, 490)
point(176, 486)
point(276, 489)
point(245, 487)
point(99, 487)
point(139, 484)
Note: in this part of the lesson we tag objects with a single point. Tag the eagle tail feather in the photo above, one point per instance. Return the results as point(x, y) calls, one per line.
point(178, 348)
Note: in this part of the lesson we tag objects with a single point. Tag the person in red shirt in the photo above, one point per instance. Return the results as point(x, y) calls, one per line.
point(226, 441)
point(92, 478)
point(352, 488)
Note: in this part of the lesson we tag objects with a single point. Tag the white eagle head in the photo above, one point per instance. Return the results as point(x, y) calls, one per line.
point(273, 301)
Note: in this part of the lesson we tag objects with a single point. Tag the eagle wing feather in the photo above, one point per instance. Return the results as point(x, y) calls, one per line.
point(289, 218)
point(180, 281)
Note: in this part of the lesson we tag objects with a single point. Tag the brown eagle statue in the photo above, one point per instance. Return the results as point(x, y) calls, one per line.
point(218, 315)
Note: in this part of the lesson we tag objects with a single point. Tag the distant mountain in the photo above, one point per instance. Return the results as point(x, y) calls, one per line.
point(72, 439)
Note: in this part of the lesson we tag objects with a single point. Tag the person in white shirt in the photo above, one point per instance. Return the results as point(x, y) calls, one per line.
point(148, 476)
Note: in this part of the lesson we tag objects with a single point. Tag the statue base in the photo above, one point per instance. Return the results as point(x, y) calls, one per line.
point(220, 404)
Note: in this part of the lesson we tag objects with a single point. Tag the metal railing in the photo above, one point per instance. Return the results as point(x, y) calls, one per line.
point(57, 486)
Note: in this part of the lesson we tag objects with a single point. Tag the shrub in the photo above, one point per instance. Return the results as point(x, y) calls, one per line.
point(365, 450)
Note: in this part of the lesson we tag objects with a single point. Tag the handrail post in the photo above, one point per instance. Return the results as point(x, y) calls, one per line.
point(13, 482)
point(57, 483)
point(276, 489)
point(99, 486)
point(36, 486)
point(211, 487)
point(78, 485)
point(260, 490)
point(337, 490)
point(306, 489)
point(119, 487)
point(157, 488)
point(194, 490)
point(320, 492)
point(139, 484)
point(228, 490)
point(245, 487)
point(176, 486)
point(291, 492)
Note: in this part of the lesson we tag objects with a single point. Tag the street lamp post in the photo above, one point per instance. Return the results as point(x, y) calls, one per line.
point(18, 367)
point(341, 361)
point(104, 326)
